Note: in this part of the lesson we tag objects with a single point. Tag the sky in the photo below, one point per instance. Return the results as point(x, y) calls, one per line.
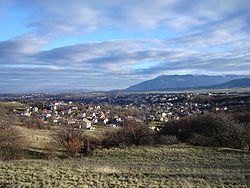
point(54, 45)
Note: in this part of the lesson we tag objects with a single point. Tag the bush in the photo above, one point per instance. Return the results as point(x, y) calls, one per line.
point(208, 130)
point(51, 149)
point(89, 144)
point(133, 133)
point(242, 117)
point(166, 139)
point(34, 123)
point(70, 139)
point(246, 135)
point(75, 142)
point(201, 140)
point(12, 143)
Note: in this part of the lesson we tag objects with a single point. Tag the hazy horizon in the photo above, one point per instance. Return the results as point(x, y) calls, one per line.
point(56, 90)
point(105, 45)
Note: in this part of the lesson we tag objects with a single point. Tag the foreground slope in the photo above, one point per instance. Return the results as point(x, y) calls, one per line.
point(177, 165)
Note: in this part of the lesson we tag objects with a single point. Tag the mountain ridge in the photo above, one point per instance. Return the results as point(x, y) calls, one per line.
point(180, 82)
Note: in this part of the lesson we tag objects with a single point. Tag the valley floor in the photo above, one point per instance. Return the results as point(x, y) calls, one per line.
point(147, 166)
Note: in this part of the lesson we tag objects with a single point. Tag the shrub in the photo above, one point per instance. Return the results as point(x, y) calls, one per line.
point(51, 149)
point(70, 140)
point(209, 130)
point(133, 133)
point(74, 142)
point(166, 139)
point(201, 140)
point(34, 123)
point(246, 135)
point(12, 143)
point(89, 144)
point(242, 116)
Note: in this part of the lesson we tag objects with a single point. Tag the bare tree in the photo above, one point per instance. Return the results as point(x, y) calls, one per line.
point(133, 133)
point(209, 130)
point(70, 139)
point(12, 142)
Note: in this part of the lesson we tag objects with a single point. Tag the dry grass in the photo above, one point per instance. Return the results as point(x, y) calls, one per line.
point(165, 166)
point(12, 104)
point(39, 138)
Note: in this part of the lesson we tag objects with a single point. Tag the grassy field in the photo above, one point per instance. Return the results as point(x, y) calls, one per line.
point(38, 138)
point(12, 104)
point(144, 166)
point(148, 166)
point(41, 138)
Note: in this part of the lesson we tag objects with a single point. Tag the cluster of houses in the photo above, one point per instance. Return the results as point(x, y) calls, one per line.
point(115, 110)
point(78, 115)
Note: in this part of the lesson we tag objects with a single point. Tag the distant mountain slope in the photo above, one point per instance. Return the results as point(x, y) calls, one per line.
point(171, 82)
point(238, 83)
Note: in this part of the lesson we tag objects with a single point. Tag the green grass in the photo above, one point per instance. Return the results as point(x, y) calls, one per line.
point(152, 166)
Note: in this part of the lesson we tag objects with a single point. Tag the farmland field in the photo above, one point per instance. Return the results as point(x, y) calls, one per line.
point(145, 166)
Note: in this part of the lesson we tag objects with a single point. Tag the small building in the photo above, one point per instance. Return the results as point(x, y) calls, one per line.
point(105, 121)
point(112, 125)
point(86, 124)
point(164, 119)
point(95, 120)
point(53, 108)
point(71, 121)
point(34, 109)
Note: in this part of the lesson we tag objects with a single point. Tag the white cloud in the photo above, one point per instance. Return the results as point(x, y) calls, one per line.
point(213, 36)
point(79, 16)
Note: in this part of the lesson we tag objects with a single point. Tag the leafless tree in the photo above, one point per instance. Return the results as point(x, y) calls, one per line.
point(70, 139)
point(12, 142)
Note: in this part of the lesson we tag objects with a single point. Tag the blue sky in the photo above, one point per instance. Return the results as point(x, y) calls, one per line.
point(112, 44)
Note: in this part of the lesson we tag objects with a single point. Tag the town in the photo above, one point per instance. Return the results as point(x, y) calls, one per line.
point(89, 110)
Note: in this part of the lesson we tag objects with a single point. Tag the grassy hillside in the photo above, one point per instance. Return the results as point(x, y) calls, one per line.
point(178, 166)
point(41, 138)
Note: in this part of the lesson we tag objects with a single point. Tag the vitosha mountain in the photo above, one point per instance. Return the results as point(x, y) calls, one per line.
point(180, 82)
